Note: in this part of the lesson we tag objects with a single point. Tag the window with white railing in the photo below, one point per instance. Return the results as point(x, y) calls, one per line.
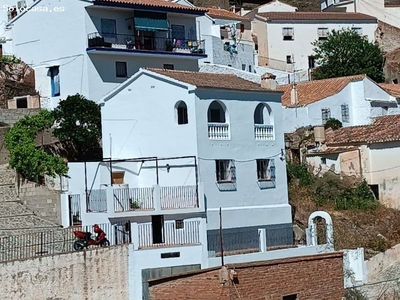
point(218, 126)
point(263, 122)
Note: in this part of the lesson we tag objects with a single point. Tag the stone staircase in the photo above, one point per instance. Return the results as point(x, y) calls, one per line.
point(15, 218)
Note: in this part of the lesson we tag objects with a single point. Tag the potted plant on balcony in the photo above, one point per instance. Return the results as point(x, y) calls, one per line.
point(134, 204)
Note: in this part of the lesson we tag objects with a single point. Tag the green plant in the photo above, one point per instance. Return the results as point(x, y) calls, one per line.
point(299, 172)
point(29, 160)
point(79, 127)
point(10, 59)
point(134, 204)
point(345, 53)
point(354, 294)
point(333, 123)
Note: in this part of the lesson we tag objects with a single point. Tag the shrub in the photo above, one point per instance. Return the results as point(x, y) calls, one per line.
point(333, 123)
point(300, 172)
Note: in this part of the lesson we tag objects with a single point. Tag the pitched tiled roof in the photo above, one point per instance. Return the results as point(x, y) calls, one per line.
point(313, 91)
point(332, 150)
point(383, 129)
point(212, 80)
point(337, 16)
point(392, 89)
point(218, 13)
point(155, 3)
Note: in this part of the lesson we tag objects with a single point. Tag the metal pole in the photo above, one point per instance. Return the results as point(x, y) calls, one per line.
point(158, 179)
point(197, 180)
point(111, 176)
point(220, 237)
point(86, 190)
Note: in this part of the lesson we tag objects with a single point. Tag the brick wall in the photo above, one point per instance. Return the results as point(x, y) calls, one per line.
point(94, 274)
point(310, 277)
point(12, 116)
point(39, 199)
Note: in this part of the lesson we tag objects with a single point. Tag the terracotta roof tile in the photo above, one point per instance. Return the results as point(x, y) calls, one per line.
point(219, 13)
point(313, 91)
point(154, 3)
point(392, 89)
point(337, 16)
point(332, 150)
point(383, 129)
point(212, 80)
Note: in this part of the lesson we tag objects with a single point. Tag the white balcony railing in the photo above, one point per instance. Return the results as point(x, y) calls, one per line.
point(188, 235)
point(218, 131)
point(173, 197)
point(264, 132)
point(126, 199)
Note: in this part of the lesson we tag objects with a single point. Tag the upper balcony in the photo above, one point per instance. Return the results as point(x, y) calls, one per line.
point(145, 45)
point(153, 29)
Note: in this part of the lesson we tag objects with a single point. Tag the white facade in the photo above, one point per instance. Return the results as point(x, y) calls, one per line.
point(380, 9)
point(364, 100)
point(295, 54)
point(273, 6)
point(91, 71)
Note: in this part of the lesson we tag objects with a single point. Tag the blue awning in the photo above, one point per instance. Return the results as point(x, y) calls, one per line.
point(150, 24)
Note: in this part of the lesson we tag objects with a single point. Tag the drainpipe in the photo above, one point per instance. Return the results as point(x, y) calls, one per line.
point(359, 157)
point(355, 6)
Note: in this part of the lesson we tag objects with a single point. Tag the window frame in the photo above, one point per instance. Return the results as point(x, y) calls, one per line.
point(55, 81)
point(266, 169)
point(288, 33)
point(225, 170)
point(358, 30)
point(345, 111)
point(323, 33)
point(182, 117)
point(326, 111)
point(125, 69)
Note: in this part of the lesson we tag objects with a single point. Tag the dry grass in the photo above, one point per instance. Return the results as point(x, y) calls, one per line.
point(352, 228)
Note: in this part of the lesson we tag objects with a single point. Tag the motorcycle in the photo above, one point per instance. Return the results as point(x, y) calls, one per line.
point(84, 240)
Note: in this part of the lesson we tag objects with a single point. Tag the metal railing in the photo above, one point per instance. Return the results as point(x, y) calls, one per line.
point(97, 201)
point(263, 132)
point(218, 131)
point(131, 42)
point(173, 197)
point(58, 241)
point(188, 234)
point(130, 199)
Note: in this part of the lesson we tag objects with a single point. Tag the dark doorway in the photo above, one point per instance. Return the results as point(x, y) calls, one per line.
point(375, 189)
point(157, 226)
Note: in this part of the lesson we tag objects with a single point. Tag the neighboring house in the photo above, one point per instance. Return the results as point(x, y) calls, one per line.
point(368, 151)
point(353, 100)
point(272, 6)
point(387, 11)
point(107, 42)
point(285, 38)
point(179, 146)
point(392, 89)
point(228, 39)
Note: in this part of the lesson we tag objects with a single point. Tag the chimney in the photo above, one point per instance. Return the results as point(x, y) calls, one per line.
point(268, 81)
point(293, 96)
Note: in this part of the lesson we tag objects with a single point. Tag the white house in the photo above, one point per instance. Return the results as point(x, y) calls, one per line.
point(91, 47)
point(367, 151)
point(228, 40)
point(387, 11)
point(353, 100)
point(214, 133)
point(285, 38)
point(271, 6)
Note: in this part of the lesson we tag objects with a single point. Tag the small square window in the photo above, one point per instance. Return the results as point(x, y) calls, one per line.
point(250, 69)
point(179, 224)
point(168, 66)
point(121, 69)
point(288, 59)
point(323, 161)
point(288, 33)
point(265, 169)
point(243, 67)
point(225, 170)
point(22, 102)
point(323, 33)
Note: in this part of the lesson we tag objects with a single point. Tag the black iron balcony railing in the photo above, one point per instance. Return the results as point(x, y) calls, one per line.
point(144, 43)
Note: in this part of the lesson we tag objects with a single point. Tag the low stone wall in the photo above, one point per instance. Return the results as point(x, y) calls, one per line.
point(94, 274)
point(12, 116)
point(39, 199)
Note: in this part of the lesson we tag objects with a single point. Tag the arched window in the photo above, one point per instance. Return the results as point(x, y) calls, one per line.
point(263, 123)
point(181, 113)
point(263, 115)
point(216, 113)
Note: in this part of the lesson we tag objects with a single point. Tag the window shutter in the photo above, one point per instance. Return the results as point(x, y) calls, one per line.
point(232, 170)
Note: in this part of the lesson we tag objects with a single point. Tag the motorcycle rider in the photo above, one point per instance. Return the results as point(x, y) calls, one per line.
point(100, 233)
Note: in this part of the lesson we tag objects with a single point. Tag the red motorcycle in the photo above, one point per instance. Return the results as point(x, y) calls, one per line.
point(84, 239)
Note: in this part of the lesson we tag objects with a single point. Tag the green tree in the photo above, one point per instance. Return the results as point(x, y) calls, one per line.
point(79, 127)
point(346, 53)
point(333, 123)
point(29, 160)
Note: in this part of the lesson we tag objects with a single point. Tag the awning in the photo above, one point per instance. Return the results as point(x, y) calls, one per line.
point(151, 24)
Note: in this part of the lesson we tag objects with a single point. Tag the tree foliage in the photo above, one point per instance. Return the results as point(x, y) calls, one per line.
point(29, 160)
point(346, 53)
point(333, 123)
point(79, 127)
